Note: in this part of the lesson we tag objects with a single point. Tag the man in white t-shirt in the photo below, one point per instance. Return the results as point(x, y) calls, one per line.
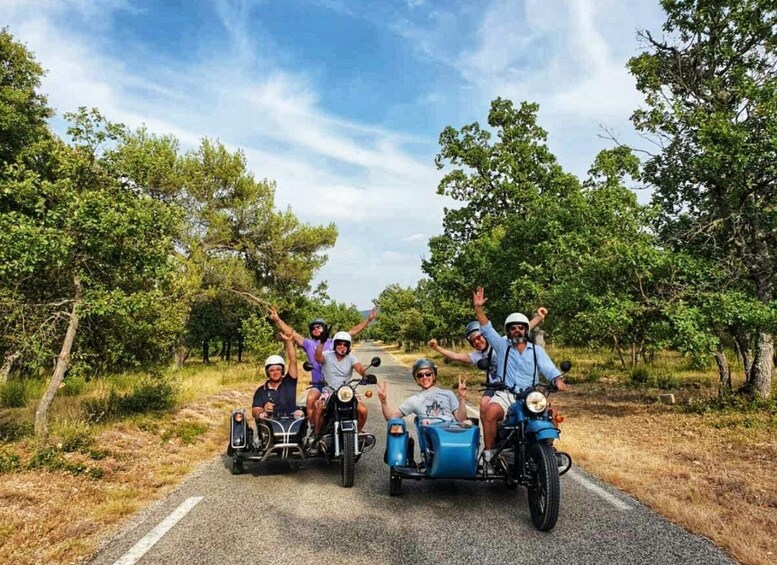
point(432, 402)
point(337, 367)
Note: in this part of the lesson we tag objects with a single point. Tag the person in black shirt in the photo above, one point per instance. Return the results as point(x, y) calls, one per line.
point(278, 395)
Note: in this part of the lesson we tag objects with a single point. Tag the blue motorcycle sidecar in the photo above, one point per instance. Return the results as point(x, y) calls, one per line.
point(448, 450)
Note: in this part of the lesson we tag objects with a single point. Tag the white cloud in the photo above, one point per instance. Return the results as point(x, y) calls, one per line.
point(416, 238)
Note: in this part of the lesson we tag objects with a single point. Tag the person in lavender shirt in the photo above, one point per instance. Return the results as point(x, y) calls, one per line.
point(319, 333)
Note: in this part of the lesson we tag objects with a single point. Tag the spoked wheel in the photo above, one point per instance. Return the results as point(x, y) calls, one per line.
point(544, 492)
point(237, 465)
point(395, 484)
point(348, 459)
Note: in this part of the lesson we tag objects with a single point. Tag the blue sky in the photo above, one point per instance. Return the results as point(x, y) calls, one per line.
point(342, 102)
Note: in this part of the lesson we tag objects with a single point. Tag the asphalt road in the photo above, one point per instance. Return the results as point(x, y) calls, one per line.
point(272, 514)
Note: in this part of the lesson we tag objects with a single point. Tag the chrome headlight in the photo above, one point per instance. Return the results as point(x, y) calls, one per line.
point(345, 394)
point(536, 402)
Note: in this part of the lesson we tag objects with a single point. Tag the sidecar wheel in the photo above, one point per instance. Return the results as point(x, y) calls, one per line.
point(395, 484)
point(348, 459)
point(237, 466)
point(545, 491)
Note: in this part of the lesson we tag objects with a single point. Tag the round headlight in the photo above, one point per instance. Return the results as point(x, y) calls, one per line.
point(536, 402)
point(344, 394)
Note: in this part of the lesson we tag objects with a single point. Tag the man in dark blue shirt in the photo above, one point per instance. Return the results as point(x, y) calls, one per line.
point(278, 395)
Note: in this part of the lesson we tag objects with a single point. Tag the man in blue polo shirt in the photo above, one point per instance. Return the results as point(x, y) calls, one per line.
point(519, 364)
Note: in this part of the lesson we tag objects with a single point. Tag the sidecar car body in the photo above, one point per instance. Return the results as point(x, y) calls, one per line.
point(448, 450)
point(279, 438)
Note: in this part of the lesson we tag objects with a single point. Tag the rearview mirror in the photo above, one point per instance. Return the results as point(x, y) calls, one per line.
point(375, 362)
point(307, 366)
point(483, 364)
point(565, 366)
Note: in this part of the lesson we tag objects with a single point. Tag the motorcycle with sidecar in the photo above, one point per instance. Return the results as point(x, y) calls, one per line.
point(278, 437)
point(523, 453)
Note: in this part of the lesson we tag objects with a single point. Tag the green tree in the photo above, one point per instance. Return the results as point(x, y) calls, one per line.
point(82, 241)
point(711, 104)
point(23, 111)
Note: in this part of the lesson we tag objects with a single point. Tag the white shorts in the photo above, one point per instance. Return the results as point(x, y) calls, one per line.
point(503, 398)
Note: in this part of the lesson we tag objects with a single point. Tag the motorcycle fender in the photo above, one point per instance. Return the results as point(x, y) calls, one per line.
point(396, 445)
point(543, 429)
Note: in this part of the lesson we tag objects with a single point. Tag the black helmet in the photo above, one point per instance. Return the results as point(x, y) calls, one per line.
point(424, 363)
point(317, 322)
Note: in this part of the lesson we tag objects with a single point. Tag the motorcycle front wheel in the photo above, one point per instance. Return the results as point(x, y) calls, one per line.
point(348, 459)
point(544, 492)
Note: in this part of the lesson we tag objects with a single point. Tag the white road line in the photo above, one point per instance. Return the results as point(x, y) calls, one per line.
point(596, 489)
point(147, 542)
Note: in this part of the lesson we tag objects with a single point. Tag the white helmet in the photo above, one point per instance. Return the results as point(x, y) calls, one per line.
point(274, 360)
point(342, 336)
point(516, 318)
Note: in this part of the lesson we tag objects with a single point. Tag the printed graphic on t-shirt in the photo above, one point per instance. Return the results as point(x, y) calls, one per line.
point(435, 409)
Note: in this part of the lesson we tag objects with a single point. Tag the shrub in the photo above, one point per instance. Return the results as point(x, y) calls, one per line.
point(73, 436)
point(667, 381)
point(151, 395)
point(639, 375)
point(13, 430)
point(74, 386)
point(51, 458)
point(9, 462)
point(594, 374)
point(14, 394)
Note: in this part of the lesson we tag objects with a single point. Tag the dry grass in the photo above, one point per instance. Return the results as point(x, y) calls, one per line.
point(53, 516)
point(713, 474)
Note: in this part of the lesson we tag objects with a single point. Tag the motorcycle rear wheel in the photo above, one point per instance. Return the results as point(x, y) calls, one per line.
point(544, 493)
point(348, 459)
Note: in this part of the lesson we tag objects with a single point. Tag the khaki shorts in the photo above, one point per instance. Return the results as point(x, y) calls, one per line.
point(503, 398)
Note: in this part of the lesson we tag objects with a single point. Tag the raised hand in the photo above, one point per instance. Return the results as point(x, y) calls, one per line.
point(542, 312)
point(433, 343)
point(479, 297)
point(286, 336)
point(273, 314)
point(382, 391)
point(462, 386)
point(373, 313)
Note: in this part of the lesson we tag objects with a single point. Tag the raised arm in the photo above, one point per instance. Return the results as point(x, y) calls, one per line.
point(320, 353)
point(461, 412)
point(358, 328)
point(452, 355)
point(537, 320)
point(388, 411)
point(478, 300)
point(291, 356)
point(283, 326)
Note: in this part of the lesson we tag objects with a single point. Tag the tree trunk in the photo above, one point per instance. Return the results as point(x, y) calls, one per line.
point(63, 362)
point(10, 359)
point(240, 349)
point(539, 337)
point(724, 371)
point(181, 354)
point(759, 378)
point(228, 351)
point(745, 352)
point(223, 349)
point(620, 353)
point(205, 357)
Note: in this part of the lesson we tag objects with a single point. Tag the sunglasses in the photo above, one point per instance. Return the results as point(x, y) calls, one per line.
point(424, 374)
